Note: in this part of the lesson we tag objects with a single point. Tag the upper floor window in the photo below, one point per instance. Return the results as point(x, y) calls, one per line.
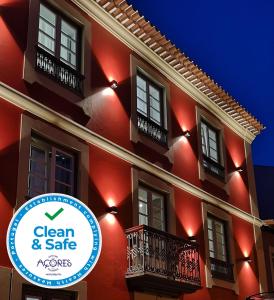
point(58, 54)
point(58, 48)
point(151, 208)
point(149, 99)
point(51, 169)
point(211, 149)
point(59, 37)
point(218, 249)
point(210, 141)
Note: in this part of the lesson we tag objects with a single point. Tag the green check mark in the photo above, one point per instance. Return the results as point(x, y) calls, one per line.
point(52, 217)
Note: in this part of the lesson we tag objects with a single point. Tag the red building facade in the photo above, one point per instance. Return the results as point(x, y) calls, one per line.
point(167, 149)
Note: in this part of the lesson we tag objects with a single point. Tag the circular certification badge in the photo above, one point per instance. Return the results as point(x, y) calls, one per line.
point(54, 240)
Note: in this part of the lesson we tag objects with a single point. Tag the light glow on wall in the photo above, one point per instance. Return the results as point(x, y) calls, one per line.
point(110, 218)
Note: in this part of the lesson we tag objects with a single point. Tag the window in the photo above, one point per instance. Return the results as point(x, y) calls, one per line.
point(51, 169)
point(36, 293)
point(150, 110)
point(220, 267)
point(58, 37)
point(149, 99)
point(212, 154)
point(211, 150)
point(218, 253)
point(150, 113)
point(58, 49)
point(210, 142)
point(51, 160)
point(151, 208)
point(153, 202)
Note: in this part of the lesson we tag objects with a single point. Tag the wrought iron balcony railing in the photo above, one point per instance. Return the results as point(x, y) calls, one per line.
point(152, 129)
point(213, 167)
point(158, 261)
point(221, 269)
point(59, 71)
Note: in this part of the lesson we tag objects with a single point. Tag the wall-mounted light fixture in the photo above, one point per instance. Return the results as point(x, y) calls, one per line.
point(192, 238)
point(186, 133)
point(112, 210)
point(239, 169)
point(247, 259)
point(113, 84)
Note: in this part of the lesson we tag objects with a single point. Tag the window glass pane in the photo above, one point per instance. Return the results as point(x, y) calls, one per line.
point(37, 177)
point(141, 83)
point(214, 155)
point(64, 160)
point(47, 28)
point(155, 116)
point(46, 42)
point(141, 94)
point(68, 43)
point(142, 194)
point(212, 134)
point(68, 57)
point(46, 35)
point(211, 246)
point(141, 107)
point(210, 234)
point(158, 212)
point(36, 185)
point(47, 14)
point(143, 207)
point(155, 104)
point(204, 138)
point(154, 93)
point(61, 188)
point(63, 176)
point(68, 30)
point(143, 220)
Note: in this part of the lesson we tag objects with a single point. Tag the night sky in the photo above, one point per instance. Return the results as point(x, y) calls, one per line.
point(233, 42)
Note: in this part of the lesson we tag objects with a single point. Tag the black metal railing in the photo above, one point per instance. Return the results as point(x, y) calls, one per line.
point(213, 167)
point(221, 269)
point(152, 129)
point(59, 71)
point(151, 251)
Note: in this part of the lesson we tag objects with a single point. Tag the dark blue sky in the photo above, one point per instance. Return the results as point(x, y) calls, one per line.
point(233, 42)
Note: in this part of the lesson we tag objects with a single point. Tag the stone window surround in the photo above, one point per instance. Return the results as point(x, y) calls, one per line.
point(139, 176)
point(137, 65)
point(215, 123)
point(29, 72)
point(32, 124)
point(223, 215)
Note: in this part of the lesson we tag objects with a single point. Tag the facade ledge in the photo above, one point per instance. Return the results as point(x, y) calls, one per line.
point(27, 103)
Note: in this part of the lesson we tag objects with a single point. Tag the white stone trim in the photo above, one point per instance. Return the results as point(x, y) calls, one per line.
point(26, 103)
point(95, 11)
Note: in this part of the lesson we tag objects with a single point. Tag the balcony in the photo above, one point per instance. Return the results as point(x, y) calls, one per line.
point(213, 167)
point(153, 130)
point(59, 71)
point(161, 263)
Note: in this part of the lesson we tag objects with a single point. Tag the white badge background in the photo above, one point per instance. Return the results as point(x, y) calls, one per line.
point(69, 218)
